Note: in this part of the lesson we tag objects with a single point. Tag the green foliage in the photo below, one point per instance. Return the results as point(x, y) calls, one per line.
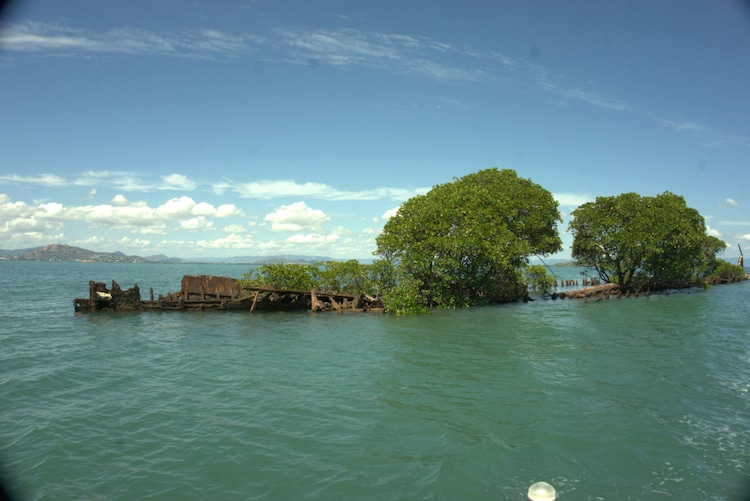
point(727, 271)
point(653, 242)
point(711, 247)
point(282, 276)
point(465, 242)
point(407, 297)
point(345, 277)
point(538, 278)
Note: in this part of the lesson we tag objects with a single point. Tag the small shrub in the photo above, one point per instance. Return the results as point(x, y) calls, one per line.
point(727, 271)
point(538, 278)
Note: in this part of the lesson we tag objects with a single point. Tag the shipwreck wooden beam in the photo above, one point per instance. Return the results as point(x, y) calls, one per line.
point(335, 305)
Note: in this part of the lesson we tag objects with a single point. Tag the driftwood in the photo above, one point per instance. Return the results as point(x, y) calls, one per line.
point(603, 290)
point(208, 292)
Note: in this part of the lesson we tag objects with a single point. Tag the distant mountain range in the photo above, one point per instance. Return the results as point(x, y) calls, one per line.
point(67, 253)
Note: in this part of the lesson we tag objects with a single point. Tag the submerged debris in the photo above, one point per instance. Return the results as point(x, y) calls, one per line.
point(208, 292)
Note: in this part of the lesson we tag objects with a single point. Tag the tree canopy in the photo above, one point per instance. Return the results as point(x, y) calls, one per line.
point(466, 241)
point(646, 242)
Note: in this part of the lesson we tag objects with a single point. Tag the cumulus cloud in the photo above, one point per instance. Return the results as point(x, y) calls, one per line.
point(296, 217)
point(120, 214)
point(176, 207)
point(119, 200)
point(390, 213)
point(196, 223)
point(228, 210)
point(731, 203)
point(312, 238)
point(204, 209)
point(234, 228)
point(10, 210)
point(231, 241)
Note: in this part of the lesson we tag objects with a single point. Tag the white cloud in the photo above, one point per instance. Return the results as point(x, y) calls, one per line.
point(343, 48)
point(119, 200)
point(30, 224)
point(713, 232)
point(390, 213)
point(266, 190)
point(384, 51)
point(312, 238)
point(234, 228)
point(572, 199)
point(120, 214)
point(272, 189)
point(41, 179)
point(296, 217)
point(176, 207)
point(204, 209)
point(745, 237)
point(231, 241)
point(228, 210)
point(129, 181)
point(223, 211)
point(125, 181)
point(176, 182)
point(55, 39)
point(137, 243)
point(731, 203)
point(196, 223)
point(52, 210)
point(10, 210)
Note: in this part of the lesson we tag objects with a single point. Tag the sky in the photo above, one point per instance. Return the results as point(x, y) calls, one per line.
point(237, 127)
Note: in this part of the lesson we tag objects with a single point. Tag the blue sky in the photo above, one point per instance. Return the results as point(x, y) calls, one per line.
point(237, 127)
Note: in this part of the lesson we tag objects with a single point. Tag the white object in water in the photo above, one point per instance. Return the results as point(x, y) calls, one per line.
point(541, 491)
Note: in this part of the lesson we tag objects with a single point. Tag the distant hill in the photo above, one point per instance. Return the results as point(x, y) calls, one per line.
point(61, 252)
point(13, 252)
point(161, 258)
point(284, 258)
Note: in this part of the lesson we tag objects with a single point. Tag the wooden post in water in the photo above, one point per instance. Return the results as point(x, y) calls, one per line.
point(255, 300)
point(740, 261)
point(335, 304)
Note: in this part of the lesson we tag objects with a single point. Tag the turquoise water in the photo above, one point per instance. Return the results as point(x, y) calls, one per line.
point(617, 399)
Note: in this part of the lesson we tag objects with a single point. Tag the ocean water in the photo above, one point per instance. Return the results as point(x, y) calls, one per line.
point(636, 399)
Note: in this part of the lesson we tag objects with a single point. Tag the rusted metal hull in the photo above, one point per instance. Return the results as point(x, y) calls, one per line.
point(208, 292)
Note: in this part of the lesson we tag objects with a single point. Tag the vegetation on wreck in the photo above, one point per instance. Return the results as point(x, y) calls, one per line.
point(468, 242)
point(347, 277)
point(647, 243)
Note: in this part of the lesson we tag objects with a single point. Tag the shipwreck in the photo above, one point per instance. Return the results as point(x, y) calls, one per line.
point(208, 292)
